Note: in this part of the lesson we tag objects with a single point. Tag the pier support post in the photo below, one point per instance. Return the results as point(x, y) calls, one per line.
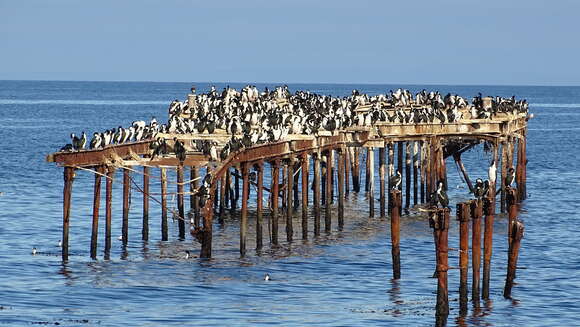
point(108, 209)
point(275, 193)
point(355, 170)
point(193, 198)
point(328, 202)
point(504, 167)
point(457, 158)
point(512, 211)
point(439, 221)
point(289, 200)
point(316, 186)
point(340, 174)
point(371, 160)
point(476, 213)
point(259, 203)
point(517, 231)
point(207, 231)
point(164, 234)
point(96, 205)
point(223, 198)
point(395, 204)
point(463, 218)
point(304, 163)
point(180, 204)
point(126, 204)
point(368, 169)
point(145, 227)
point(424, 165)
point(487, 246)
point(391, 168)
point(67, 194)
point(407, 175)
point(415, 171)
point(346, 158)
point(244, 215)
point(382, 170)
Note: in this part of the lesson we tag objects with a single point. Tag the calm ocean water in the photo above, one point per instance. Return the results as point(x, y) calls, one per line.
point(340, 279)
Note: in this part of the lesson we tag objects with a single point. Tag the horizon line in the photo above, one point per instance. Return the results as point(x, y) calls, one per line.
point(280, 83)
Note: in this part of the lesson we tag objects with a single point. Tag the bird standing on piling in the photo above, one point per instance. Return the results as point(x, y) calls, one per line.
point(510, 178)
point(440, 197)
point(395, 180)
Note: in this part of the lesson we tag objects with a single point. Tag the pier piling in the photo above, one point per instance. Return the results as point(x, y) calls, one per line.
point(126, 204)
point(316, 186)
point(145, 225)
point(96, 205)
point(108, 209)
point(382, 192)
point(67, 194)
point(164, 233)
point(476, 214)
point(259, 203)
point(487, 246)
point(304, 164)
point(517, 231)
point(244, 214)
point(340, 175)
point(395, 204)
point(463, 218)
point(275, 191)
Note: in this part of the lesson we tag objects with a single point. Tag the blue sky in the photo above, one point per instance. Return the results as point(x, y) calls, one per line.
point(413, 42)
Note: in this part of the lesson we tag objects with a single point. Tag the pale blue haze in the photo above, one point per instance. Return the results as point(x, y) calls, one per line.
point(521, 42)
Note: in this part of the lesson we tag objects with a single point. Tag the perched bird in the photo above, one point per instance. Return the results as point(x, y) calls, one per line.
point(510, 178)
point(440, 197)
point(395, 180)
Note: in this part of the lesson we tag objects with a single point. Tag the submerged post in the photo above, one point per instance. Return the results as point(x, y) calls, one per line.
point(487, 246)
point(96, 205)
point(476, 213)
point(126, 204)
point(108, 209)
point(244, 218)
point(395, 232)
point(415, 171)
point(289, 199)
point(407, 174)
point(180, 204)
point(145, 227)
point(259, 203)
point(304, 162)
point(439, 221)
point(67, 194)
point(316, 186)
point(328, 193)
point(517, 231)
point(382, 170)
point(370, 160)
point(275, 192)
point(164, 234)
point(340, 175)
point(463, 218)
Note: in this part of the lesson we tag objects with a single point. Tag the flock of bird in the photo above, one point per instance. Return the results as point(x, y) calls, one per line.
point(252, 117)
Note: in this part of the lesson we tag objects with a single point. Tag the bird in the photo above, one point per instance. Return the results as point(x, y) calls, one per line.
point(395, 181)
point(267, 277)
point(440, 196)
point(187, 254)
point(120, 238)
point(59, 243)
point(478, 189)
point(34, 251)
point(510, 178)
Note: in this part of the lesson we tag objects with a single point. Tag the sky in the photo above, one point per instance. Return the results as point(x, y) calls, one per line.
point(492, 42)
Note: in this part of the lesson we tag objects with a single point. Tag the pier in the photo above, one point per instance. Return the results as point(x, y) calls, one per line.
point(215, 170)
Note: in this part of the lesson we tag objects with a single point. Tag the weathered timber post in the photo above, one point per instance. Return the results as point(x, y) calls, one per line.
point(259, 203)
point(236, 189)
point(356, 170)
point(371, 160)
point(223, 198)
point(275, 191)
point(424, 165)
point(180, 204)
point(304, 163)
point(340, 174)
point(126, 204)
point(523, 188)
point(346, 158)
point(391, 168)
point(457, 158)
point(504, 167)
point(368, 170)
point(289, 199)
point(428, 169)
point(332, 169)
point(145, 227)
point(296, 178)
point(487, 246)
point(400, 162)
point(476, 213)
point(323, 171)
point(207, 230)
point(328, 206)
point(415, 171)
point(517, 231)
point(395, 202)
point(439, 221)
point(193, 198)
point(164, 234)
point(108, 209)
point(382, 194)
point(69, 173)
point(512, 211)
point(96, 205)
point(316, 186)
point(463, 218)
point(407, 174)
point(244, 215)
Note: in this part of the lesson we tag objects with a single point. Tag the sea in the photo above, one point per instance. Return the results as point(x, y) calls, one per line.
point(341, 278)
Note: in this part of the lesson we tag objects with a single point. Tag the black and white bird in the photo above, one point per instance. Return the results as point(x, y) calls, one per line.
point(395, 180)
point(267, 277)
point(478, 188)
point(440, 197)
point(510, 178)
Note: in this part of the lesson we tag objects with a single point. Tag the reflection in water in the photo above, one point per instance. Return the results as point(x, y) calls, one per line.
point(395, 297)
